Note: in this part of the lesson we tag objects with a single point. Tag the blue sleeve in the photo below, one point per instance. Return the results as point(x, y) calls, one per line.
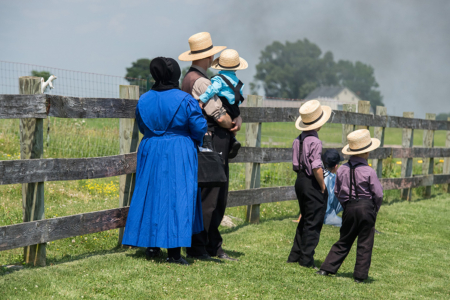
point(213, 89)
point(139, 121)
point(242, 93)
point(196, 120)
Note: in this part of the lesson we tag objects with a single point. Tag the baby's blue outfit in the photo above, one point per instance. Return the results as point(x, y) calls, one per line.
point(333, 206)
point(220, 88)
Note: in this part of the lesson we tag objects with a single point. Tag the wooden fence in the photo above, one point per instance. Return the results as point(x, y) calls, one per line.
point(32, 171)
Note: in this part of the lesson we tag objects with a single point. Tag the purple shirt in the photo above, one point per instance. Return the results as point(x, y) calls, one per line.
point(367, 183)
point(312, 152)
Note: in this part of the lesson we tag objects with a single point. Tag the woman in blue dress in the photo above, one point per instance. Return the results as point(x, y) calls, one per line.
point(166, 207)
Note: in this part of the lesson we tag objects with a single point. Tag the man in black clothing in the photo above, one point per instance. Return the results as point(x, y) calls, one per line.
point(208, 243)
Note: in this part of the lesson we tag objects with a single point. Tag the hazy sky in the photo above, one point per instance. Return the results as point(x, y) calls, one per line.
point(406, 41)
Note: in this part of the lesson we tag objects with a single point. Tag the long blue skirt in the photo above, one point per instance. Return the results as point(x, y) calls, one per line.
point(166, 206)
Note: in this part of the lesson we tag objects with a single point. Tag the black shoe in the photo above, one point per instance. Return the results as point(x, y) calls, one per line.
point(323, 273)
point(205, 257)
point(152, 252)
point(180, 261)
point(226, 257)
point(359, 280)
point(234, 149)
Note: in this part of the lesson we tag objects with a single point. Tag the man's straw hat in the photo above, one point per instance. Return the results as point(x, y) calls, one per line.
point(359, 142)
point(312, 115)
point(229, 60)
point(201, 47)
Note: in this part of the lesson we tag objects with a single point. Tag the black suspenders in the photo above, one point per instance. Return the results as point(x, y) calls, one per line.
point(237, 90)
point(353, 181)
point(300, 152)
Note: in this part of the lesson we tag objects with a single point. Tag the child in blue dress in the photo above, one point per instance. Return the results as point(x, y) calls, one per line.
point(227, 86)
point(331, 159)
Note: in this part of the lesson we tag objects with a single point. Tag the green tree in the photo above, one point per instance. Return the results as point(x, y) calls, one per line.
point(140, 69)
point(359, 78)
point(44, 74)
point(293, 70)
point(443, 116)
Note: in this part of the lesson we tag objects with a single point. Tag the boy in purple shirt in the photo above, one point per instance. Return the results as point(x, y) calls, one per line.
point(360, 193)
point(309, 187)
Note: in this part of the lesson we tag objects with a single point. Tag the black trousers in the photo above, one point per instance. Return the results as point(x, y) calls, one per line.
point(214, 203)
point(313, 205)
point(358, 220)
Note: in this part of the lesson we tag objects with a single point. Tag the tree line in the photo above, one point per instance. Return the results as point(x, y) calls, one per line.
point(293, 70)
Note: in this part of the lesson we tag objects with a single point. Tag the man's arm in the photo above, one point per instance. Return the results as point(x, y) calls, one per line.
point(213, 107)
point(225, 121)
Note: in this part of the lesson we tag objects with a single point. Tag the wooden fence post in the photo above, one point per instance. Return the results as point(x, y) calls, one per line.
point(378, 132)
point(363, 108)
point(346, 129)
point(428, 163)
point(129, 140)
point(446, 167)
point(32, 147)
point(252, 170)
point(407, 163)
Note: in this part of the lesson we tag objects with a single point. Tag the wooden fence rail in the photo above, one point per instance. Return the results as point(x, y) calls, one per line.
point(61, 169)
point(43, 231)
point(41, 106)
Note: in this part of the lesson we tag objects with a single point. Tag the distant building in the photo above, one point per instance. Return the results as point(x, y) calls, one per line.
point(333, 96)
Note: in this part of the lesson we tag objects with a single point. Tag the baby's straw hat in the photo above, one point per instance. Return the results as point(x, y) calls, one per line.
point(312, 115)
point(201, 47)
point(359, 142)
point(229, 60)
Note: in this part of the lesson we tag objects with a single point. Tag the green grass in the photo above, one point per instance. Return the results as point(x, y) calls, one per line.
point(410, 261)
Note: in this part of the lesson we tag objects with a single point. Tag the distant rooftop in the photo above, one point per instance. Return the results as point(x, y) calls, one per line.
point(324, 92)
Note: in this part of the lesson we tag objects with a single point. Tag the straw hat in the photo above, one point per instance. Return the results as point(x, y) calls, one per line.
point(359, 142)
point(229, 60)
point(201, 47)
point(312, 115)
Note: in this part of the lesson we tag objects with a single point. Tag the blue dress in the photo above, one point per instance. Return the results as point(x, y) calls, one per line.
point(166, 206)
point(333, 206)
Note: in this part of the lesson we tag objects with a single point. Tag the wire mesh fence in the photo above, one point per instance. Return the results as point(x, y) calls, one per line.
point(69, 82)
point(69, 138)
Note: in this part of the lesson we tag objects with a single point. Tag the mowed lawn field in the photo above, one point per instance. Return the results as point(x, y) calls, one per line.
point(410, 260)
